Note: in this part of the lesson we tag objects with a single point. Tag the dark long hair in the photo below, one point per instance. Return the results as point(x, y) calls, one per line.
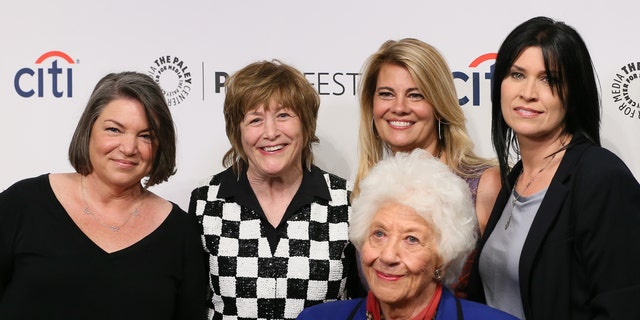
point(565, 54)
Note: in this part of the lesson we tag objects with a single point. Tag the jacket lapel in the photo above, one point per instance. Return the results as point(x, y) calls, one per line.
point(547, 214)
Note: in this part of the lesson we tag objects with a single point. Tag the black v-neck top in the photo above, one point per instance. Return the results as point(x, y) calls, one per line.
point(49, 269)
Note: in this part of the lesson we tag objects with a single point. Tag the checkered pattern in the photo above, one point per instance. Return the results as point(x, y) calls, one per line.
point(308, 267)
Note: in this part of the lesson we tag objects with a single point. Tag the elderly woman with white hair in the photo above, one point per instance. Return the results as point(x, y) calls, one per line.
point(413, 224)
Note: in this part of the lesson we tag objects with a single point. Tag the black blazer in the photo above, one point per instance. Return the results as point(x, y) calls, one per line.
point(581, 258)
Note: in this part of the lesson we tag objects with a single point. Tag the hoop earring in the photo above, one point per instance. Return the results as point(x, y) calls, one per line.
point(440, 133)
point(373, 128)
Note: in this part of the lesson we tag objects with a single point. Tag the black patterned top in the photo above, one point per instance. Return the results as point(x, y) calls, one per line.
point(261, 272)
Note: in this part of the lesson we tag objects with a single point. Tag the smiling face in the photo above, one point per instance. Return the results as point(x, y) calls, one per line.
point(529, 104)
point(272, 140)
point(402, 116)
point(399, 256)
point(121, 146)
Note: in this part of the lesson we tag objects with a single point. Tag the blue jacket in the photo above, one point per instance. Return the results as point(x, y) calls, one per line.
point(447, 310)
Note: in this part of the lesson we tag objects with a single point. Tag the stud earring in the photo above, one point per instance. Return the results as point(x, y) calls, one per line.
point(437, 274)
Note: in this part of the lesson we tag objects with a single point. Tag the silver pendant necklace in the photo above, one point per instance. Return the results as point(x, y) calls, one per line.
point(114, 228)
point(517, 198)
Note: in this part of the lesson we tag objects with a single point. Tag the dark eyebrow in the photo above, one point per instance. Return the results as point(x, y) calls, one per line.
point(545, 72)
point(122, 126)
point(114, 122)
point(513, 66)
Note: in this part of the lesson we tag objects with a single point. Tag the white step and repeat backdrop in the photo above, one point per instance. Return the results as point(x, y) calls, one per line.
point(55, 51)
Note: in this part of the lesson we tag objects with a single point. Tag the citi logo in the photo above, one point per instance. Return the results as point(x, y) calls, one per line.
point(49, 73)
point(477, 78)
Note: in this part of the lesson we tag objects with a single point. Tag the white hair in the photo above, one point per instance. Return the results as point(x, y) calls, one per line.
point(421, 182)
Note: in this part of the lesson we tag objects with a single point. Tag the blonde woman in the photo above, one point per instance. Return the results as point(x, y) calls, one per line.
point(408, 101)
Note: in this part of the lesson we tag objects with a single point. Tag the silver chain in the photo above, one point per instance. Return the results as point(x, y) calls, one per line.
point(114, 228)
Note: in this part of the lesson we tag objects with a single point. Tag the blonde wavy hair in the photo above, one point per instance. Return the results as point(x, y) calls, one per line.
point(434, 79)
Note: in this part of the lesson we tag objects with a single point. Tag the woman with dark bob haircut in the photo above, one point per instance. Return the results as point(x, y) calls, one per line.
point(561, 241)
point(96, 244)
point(139, 87)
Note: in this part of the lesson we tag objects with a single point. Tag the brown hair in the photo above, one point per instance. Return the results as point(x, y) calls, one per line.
point(142, 88)
point(257, 84)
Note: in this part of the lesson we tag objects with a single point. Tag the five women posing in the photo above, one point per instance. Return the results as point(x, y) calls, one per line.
point(555, 218)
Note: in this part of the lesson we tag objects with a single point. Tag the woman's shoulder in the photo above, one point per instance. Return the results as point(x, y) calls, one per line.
point(333, 178)
point(179, 222)
point(490, 179)
point(211, 184)
point(334, 310)
point(177, 212)
point(19, 200)
point(601, 154)
point(330, 186)
point(27, 185)
point(216, 179)
point(599, 162)
point(39, 179)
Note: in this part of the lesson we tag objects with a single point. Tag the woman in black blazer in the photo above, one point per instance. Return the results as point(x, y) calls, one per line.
point(561, 242)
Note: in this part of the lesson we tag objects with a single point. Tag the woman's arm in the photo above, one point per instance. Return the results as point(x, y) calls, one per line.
point(606, 211)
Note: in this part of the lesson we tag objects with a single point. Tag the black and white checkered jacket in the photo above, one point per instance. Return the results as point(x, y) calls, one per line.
point(306, 265)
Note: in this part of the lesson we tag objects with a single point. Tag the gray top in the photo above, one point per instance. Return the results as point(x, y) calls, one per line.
point(500, 258)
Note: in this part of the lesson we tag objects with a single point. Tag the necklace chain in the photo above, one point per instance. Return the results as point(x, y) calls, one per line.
point(513, 191)
point(114, 228)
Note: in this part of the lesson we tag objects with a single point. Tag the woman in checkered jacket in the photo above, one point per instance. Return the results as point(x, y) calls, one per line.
point(275, 226)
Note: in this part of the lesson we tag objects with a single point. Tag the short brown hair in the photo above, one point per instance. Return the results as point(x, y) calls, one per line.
point(257, 84)
point(145, 90)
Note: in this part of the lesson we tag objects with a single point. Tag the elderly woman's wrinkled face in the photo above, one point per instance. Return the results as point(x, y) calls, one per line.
point(399, 256)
